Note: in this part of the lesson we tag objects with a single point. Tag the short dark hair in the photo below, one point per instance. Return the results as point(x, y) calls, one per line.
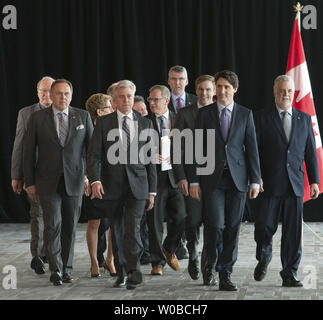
point(61, 81)
point(230, 76)
point(139, 99)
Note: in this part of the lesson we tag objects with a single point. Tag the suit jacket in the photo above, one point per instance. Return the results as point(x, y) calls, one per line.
point(53, 159)
point(17, 152)
point(185, 119)
point(240, 151)
point(190, 99)
point(142, 178)
point(172, 116)
point(282, 162)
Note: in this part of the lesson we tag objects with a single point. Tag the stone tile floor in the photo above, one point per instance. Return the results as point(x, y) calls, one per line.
point(14, 251)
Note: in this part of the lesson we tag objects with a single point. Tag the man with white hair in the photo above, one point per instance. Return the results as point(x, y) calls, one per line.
point(17, 176)
point(285, 140)
point(130, 185)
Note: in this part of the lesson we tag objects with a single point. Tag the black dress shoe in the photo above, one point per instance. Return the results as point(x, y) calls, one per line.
point(44, 259)
point(209, 278)
point(38, 265)
point(120, 282)
point(292, 282)
point(193, 269)
point(134, 279)
point(227, 285)
point(261, 270)
point(181, 252)
point(56, 279)
point(67, 278)
point(145, 259)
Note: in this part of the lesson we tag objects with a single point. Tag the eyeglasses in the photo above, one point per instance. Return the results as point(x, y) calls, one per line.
point(179, 79)
point(154, 99)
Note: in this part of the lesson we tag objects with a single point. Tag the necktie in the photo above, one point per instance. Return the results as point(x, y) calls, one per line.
point(179, 104)
point(62, 123)
point(162, 120)
point(225, 123)
point(286, 124)
point(126, 130)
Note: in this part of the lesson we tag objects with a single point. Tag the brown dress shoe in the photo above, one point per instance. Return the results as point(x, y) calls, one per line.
point(157, 271)
point(171, 260)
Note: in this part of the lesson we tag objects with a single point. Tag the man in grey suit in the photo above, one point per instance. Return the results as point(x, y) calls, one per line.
point(185, 119)
point(17, 176)
point(122, 181)
point(236, 163)
point(59, 135)
point(177, 81)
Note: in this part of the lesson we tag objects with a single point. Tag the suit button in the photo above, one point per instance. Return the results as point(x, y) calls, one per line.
point(287, 164)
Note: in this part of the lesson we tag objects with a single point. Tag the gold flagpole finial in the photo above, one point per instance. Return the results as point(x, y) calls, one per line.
point(298, 7)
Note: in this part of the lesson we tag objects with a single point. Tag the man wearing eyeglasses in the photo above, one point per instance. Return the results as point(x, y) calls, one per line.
point(177, 80)
point(36, 213)
point(168, 196)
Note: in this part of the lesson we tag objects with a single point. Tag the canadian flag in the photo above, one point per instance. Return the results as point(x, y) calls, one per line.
point(303, 100)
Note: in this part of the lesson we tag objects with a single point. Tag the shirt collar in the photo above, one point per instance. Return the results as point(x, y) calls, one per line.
point(183, 96)
point(229, 107)
point(56, 111)
point(290, 110)
point(121, 115)
point(166, 115)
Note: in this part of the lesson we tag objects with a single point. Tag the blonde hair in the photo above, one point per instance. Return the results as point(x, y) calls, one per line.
point(95, 102)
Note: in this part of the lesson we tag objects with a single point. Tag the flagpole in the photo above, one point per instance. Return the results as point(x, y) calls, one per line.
point(298, 9)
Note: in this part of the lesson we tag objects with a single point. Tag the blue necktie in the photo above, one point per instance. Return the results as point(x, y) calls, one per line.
point(162, 120)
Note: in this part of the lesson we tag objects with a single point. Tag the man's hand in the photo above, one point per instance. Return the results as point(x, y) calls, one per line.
point(183, 187)
point(87, 187)
point(253, 193)
point(16, 186)
point(32, 193)
point(97, 190)
point(315, 191)
point(195, 192)
point(150, 202)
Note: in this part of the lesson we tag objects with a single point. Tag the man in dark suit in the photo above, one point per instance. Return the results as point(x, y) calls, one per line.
point(17, 176)
point(234, 162)
point(285, 139)
point(177, 81)
point(59, 135)
point(123, 180)
point(185, 119)
point(169, 201)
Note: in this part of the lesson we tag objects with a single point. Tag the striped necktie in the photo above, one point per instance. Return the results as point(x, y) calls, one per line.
point(63, 129)
point(126, 130)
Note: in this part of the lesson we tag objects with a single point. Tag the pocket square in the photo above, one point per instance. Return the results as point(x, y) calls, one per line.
point(80, 127)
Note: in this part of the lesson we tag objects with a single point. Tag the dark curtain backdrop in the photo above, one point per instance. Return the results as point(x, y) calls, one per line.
point(96, 42)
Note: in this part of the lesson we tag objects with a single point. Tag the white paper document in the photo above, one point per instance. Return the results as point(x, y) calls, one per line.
point(165, 153)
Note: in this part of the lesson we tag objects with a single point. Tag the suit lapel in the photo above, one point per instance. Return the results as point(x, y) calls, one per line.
point(295, 122)
point(72, 123)
point(51, 124)
point(234, 120)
